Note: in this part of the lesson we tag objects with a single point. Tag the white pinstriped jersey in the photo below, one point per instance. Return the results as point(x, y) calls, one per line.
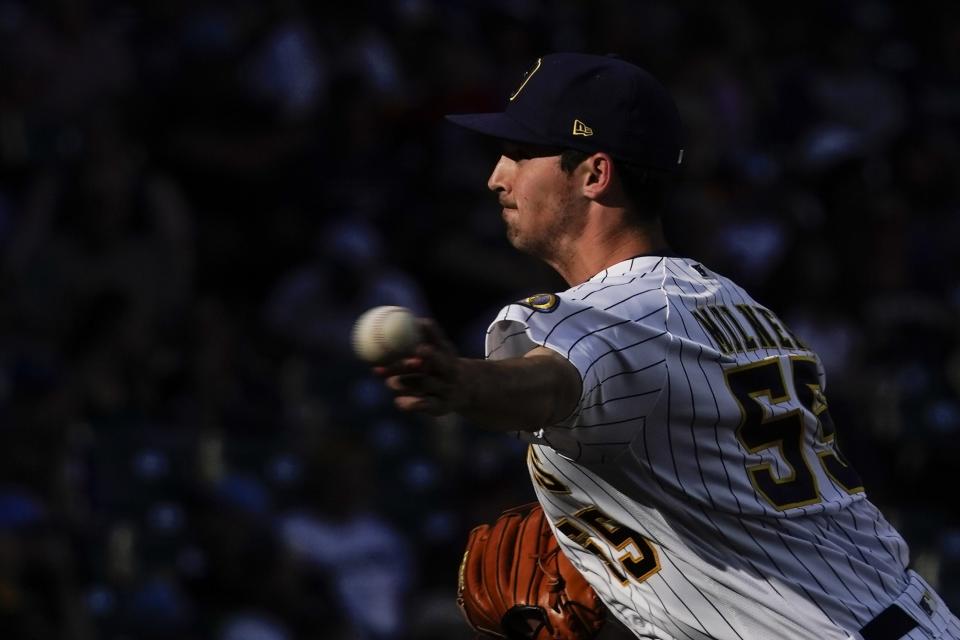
point(698, 485)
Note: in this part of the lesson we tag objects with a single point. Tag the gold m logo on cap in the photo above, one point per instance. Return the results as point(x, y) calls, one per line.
point(526, 78)
point(580, 129)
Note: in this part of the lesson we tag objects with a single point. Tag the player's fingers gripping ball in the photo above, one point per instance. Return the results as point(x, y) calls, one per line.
point(516, 583)
point(384, 334)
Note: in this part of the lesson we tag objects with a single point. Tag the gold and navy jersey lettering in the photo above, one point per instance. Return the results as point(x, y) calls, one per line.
point(745, 328)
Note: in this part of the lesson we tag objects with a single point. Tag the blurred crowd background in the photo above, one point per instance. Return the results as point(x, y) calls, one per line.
point(197, 198)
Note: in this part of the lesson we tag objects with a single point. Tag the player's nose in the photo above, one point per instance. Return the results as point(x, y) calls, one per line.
point(499, 180)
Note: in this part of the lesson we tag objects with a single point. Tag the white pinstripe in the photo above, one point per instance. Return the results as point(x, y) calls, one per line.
point(654, 446)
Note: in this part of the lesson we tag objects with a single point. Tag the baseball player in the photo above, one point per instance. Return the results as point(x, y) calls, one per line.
point(681, 443)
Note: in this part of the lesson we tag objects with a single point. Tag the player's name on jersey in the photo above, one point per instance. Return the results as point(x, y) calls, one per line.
point(744, 327)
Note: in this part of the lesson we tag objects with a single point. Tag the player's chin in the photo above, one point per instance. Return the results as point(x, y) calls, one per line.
point(514, 237)
point(524, 244)
point(510, 222)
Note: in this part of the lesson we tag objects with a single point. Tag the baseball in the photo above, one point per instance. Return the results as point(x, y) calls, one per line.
point(384, 333)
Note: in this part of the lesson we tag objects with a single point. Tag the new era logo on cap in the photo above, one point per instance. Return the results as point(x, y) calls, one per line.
point(580, 129)
point(591, 103)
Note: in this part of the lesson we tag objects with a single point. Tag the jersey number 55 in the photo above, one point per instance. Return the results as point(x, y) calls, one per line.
point(774, 416)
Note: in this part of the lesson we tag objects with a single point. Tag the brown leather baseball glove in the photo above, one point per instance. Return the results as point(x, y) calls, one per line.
point(516, 583)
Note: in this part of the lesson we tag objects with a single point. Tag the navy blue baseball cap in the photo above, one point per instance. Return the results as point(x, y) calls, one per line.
point(591, 103)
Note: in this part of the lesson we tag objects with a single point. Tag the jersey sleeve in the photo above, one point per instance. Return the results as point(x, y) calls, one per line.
point(621, 360)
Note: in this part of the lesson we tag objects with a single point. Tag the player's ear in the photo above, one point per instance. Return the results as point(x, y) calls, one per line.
point(597, 175)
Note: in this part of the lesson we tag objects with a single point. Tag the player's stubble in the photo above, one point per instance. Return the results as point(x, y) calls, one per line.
point(546, 231)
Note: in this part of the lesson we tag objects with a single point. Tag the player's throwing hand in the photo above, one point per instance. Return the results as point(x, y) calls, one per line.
point(428, 379)
point(539, 389)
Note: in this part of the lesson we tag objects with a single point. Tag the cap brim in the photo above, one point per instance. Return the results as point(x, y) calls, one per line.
point(497, 125)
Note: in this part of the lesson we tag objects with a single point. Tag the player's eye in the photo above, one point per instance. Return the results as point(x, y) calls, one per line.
point(518, 151)
point(514, 151)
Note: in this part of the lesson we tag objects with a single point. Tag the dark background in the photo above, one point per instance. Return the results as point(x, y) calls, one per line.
point(198, 198)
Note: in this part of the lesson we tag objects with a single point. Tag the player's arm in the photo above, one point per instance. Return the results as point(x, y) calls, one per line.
point(527, 393)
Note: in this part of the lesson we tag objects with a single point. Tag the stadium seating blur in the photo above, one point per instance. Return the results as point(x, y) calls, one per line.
point(198, 198)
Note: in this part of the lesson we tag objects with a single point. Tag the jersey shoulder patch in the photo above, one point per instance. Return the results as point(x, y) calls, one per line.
point(543, 302)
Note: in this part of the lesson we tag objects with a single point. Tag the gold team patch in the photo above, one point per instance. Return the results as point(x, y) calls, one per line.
point(545, 302)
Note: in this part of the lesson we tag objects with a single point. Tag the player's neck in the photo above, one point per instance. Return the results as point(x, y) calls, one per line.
point(602, 246)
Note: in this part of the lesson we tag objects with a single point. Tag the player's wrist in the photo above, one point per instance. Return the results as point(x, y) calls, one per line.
point(462, 386)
